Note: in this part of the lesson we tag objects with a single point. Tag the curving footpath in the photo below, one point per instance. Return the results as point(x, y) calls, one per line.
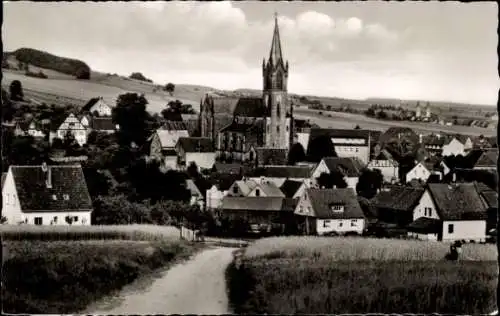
point(196, 286)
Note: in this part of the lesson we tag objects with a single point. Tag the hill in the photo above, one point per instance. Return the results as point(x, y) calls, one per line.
point(73, 67)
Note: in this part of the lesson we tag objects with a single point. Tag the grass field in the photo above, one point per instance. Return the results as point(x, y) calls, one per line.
point(349, 121)
point(357, 275)
point(65, 276)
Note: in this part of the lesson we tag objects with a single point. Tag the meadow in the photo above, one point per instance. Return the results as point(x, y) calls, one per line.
point(310, 275)
point(75, 266)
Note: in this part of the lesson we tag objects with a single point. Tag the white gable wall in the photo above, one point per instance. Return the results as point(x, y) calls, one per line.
point(464, 230)
point(102, 108)
point(11, 207)
point(388, 170)
point(74, 126)
point(321, 168)
point(214, 198)
point(454, 148)
point(425, 207)
point(418, 172)
point(202, 160)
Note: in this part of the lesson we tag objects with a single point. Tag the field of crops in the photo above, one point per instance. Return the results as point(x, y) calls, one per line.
point(112, 232)
point(297, 275)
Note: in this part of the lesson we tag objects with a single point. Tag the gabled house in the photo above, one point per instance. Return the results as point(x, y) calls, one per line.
point(291, 187)
point(454, 147)
point(330, 210)
point(46, 195)
point(279, 174)
point(247, 187)
point(387, 165)
point(490, 200)
point(97, 105)
point(71, 125)
point(198, 150)
point(349, 167)
point(220, 188)
point(30, 128)
point(162, 146)
point(457, 212)
point(394, 204)
point(85, 119)
point(419, 172)
point(197, 197)
point(487, 160)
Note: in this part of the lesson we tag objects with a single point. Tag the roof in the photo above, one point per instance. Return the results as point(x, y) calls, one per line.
point(457, 202)
point(234, 106)
point(169, 138)
point(322, 199)
point(103, 124)
point(488, 159)
point(299, 172)
point(238, 127)
point(425, 225)
point(193, 188)
point(491, 198)
point(231, 168)
point(386, 155)
point(189, 117)
point(400, 198)
point(290, 187)
point(66, 179)
point(196, 144)
point(174, 126)
point(271, 156)
point(270, 189)
point(4, 175)
point(275, 56)
point(340, 133)
point(90, 104)
point(350, 167)
point(253, 203)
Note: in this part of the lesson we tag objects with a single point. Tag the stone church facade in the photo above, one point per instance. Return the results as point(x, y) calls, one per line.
point(240, 126)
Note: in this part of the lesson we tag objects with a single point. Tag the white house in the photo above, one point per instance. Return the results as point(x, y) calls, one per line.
point(387, 165)
point(419, 172)
point(46, 195)
point(197, 197)
point(97, 105)
point(163, 144)
point(71, 125)
point(214, 197)
point(330, 210)
point(198, 150)
point(247, 187)
point(349, 167)
point(454, 148)
point(452, 212)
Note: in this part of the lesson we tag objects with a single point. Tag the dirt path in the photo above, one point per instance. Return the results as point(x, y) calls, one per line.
point(196, 286)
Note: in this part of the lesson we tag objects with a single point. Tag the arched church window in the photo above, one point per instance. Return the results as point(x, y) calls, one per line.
point(278, 129)
point(279, 82)
point(278, 110)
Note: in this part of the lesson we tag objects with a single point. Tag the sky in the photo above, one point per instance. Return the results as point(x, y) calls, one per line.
point(441, 51)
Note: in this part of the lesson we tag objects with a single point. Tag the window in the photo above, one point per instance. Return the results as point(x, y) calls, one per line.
point(54, 197)
point(336, 208)
point(257, 192)
point(38, 221)
point(340, 224)
point(326, 223)
point(278, 129)
point(55, 219)
point(353, 222)
point(235, 189)
point(357, 149)
point(75, 218)
point(450, 228)
point(65, 197)
point(287, 128)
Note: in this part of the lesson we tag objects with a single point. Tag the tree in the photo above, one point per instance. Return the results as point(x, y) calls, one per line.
point(192, 170)
point(381, 115)
point(139, 76)
point(170, 88)
point(357, 127)
point(7, 108)
point(319, 148)
point(333, 179)
point(131, 115)
point(83, 73)
point(16, 91)
point(296, 154)
point(369, 182)
point(370, 112)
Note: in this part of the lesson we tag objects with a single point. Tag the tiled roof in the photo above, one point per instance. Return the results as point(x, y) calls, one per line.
point(169, 138)
point(196, 144)
point(271, 156)
point(103, 124)
point(290, 187)
point(90, 104)
point(221, 121)
point(67, 180)
point(401, 198)
point(458, 201)
point(425, 225)
point(174, 126)
point(322, 200)
point(253, 203)
point(488, 159)
point(270, 189)
point(286, 172)
point(238, 127)
point(231, 168)
point(350, 167)
point(340, 133)
point(249, 107)
point(491, 198)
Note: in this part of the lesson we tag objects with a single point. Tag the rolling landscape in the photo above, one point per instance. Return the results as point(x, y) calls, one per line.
point(61, 88)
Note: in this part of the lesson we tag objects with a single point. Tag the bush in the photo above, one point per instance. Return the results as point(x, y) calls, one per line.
point(39, 74)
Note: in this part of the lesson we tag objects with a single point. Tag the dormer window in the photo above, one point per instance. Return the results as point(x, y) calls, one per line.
point(65, 197)
point(337, 208)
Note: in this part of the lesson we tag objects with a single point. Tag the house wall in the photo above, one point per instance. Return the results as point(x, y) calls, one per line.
point(277, 181)
point(359, 151)
point(214, 198)
point(466, 230)
point(202, 160)
point(303, 139)
point(418, 172)
point(388, 170)
point(454, 148)
point(155, 148)
point(11, 207)
point(74, 126)
point(84, 218)
point(102, 108)
point(430, 237)
point(304, 207)
point(253, 193)
point(425, 202)
point(36, 133)
point(321, 168)
point(306, 184)
point(352, 182)
point(170, 162)
point(340, 225)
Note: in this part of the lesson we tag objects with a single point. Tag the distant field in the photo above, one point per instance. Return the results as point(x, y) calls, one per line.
point(347, 121)
point(320, 275)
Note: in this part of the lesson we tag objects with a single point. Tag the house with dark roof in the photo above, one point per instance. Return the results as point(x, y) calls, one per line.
point(487, 160)
point(489, 197)
point(290, 188)
point(330, 210)
point(457, 210)
point(247, 187)
point(97, 105)
point(70, 125)
point(279, 174)
point(387, 165)
point(162, 145)
point(262, 214)
point(46, 195)
point(394, 204)
point(349, 167)
point(198, 150)
point(455, 146)
point(103, 125)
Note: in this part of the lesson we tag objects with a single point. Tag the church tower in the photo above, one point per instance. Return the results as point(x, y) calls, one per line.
point(275, 96)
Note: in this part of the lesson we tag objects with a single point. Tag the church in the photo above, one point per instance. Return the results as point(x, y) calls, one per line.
point(243, 129)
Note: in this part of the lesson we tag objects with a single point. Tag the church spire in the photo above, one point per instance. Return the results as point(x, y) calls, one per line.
point(275, 56)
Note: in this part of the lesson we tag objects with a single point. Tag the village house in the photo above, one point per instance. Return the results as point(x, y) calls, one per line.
point(46, 195)
point(85, 119)
point(279, 174)
point(487, 160)
point(295, 189)
point(198, 150)
point(456, 212)
point(349, 167)
point(455, 147)
point(162, 146)
point(387, 165)
point(97, 106)
point(422, 171)
point(71, 125)
point(103, 125)
point(394, 204)
point(31, 128)
point(197, 198)
point(330, 211)
point(220, 188)
point(489, 197)
point(247, 187)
